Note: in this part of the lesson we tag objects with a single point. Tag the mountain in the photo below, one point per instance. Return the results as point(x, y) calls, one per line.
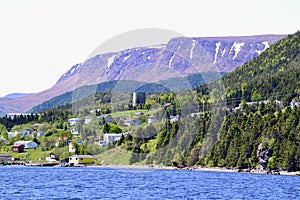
point(16, 95)
point(179, 58)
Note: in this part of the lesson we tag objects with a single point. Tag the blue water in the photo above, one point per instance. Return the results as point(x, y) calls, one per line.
point(100, 183)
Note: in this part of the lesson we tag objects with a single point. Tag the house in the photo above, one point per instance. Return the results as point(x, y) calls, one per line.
point(108, 118)
point(18, 148)
point(174, 118)
point(250, 104)
point(112, 137)
point(40, 134)
point(27, 144)
point(81, 159)
point(74, 132)
point(52, 157)
point(266, 102)
point(12, 134)
point(74, 121)
point(12, 115)
point(88, 119)
point(71, 147)
point(295, 104)
point(25, 132)
point(279, 103)
point(151, 119)
point(5, 157)
point(195, 115)
point(138, 114)
point(102, 143)
point(36, 126)
point(131, 122)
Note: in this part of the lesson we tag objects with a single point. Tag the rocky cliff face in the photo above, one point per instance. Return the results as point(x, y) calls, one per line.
point(180, 57)
point(263, 155)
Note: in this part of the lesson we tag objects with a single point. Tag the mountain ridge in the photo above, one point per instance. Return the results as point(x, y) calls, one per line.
point(181, 57)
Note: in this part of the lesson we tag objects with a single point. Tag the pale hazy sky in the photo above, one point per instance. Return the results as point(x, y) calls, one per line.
point(42, 39)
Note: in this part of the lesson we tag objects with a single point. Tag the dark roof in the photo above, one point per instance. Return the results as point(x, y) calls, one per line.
point(19, 145)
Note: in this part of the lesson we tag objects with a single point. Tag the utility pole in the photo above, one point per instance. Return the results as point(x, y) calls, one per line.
point(276, 101)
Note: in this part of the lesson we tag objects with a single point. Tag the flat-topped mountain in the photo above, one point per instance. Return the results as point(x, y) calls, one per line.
point(181, 57)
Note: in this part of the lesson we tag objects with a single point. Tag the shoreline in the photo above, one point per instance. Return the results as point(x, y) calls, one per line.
point(195, 168)
point(159, 167)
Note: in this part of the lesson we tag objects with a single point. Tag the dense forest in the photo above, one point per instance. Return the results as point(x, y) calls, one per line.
point(273, 74)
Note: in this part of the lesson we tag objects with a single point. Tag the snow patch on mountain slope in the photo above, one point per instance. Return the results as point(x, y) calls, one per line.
point(125, 58)
point(266, 45)
point(171, 60)
point(217, 51)
point(265, 48)
point(110, 60)
point(223, 52)
point(192, 49)
point(237, 48)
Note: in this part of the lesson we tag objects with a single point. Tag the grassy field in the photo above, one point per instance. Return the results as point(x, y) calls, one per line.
point(127, 114)
point(114, 156)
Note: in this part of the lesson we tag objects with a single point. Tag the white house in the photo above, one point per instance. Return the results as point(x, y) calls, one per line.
point(71, 147)
point(195, 114)
point(25, 132)
point(88, 119)
point(293, 104)
point(111, 138)
point(138, 114)
point(131, 122)
point(151, 119)
point(40, 134)
point(74, 132)
point(174, 118)
point(12, 134)
point(12, 115)
point(27, 144)
point(74, 121)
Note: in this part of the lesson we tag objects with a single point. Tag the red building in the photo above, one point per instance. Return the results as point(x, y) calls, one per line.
point(19, 148)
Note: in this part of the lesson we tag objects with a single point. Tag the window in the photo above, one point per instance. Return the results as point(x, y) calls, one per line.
point(81, 158)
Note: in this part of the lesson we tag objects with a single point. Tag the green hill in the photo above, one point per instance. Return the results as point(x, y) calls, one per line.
point(128, 86)
point(274, 73)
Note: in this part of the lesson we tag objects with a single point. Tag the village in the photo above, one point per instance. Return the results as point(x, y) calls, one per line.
point(43, 145)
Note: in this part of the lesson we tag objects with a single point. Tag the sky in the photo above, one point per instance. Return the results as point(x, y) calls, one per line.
point(42, 39)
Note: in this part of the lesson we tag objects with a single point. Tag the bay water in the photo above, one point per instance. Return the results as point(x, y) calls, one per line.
point(18, 182)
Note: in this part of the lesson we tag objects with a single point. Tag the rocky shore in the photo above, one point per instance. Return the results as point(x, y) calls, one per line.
point(196, 168)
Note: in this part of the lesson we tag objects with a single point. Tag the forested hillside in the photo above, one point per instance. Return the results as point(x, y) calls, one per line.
point(261, 135)
point(273, 74)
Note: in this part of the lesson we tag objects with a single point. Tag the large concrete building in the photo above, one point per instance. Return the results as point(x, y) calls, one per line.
point(138, 98)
